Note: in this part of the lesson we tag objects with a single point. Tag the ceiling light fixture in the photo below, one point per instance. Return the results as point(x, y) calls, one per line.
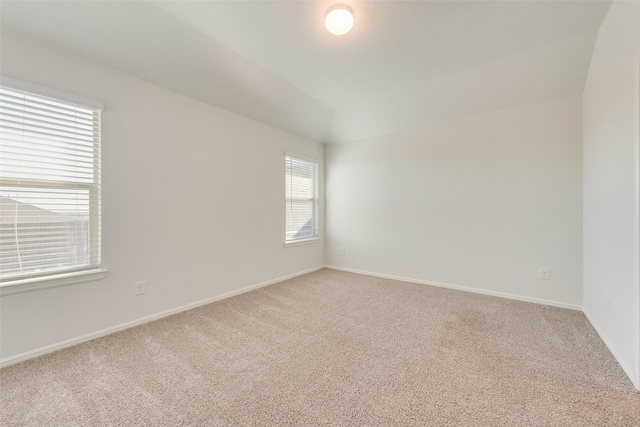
point(339, 19)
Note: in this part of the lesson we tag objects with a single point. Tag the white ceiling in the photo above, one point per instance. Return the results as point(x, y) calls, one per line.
point(404, 64)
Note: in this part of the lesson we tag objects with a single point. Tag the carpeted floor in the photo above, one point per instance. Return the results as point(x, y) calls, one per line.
point(333, 348)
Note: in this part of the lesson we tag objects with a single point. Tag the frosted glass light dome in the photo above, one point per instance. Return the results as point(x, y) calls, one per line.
point(339, 19)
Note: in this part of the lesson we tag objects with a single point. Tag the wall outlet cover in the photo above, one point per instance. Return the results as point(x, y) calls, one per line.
point(544, 273)
point(140, 287)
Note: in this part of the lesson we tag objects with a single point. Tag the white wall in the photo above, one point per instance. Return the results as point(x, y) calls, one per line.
point(479, 202)
point(611, 186)
point(193, 202)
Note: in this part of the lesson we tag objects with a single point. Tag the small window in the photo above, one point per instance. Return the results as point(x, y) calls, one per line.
point(301, 199)
point(49, 185)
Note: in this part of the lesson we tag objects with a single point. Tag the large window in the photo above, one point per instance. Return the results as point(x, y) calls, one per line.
point(302, 199)
point(49, 184)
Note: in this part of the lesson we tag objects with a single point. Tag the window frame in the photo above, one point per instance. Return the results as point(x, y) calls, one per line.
point(95, 270)
point(315, 200)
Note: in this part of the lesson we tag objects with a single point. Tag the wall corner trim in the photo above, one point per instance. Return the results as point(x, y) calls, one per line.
point(616, 354)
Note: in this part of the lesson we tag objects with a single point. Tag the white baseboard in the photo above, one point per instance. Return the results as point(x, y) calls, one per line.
point(609, 343)
point(87, 337)
point(93, 335)
point(460, 288)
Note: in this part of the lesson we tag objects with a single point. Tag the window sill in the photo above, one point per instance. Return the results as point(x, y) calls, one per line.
point(301, 242)
point(37, 283)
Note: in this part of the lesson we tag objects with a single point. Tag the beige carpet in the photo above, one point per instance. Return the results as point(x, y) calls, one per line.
point(333, 348)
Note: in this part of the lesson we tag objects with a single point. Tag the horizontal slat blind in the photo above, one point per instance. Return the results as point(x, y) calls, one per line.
point(49, 185)
point(302, 199)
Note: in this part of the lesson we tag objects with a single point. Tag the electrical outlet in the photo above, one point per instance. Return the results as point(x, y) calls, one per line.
point(544, 273)
point(340, 250)
point(140, 287)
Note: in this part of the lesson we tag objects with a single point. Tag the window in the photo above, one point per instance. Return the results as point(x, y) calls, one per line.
point(302, 199)
point(49, 183)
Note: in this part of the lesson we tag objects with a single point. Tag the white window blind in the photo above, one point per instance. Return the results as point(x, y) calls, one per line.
point(49, 185)
point(302, 199)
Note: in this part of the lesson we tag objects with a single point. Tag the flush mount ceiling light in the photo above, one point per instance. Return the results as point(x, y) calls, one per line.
point(339, 19)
